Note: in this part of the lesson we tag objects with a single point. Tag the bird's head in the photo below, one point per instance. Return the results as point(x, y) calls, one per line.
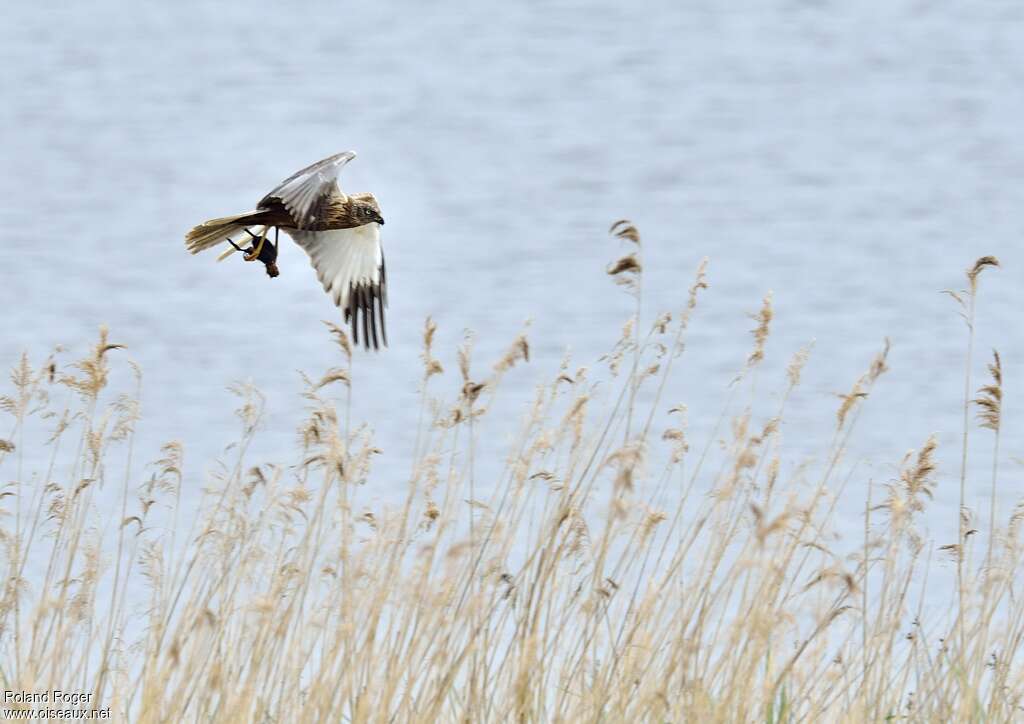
point(369, 213)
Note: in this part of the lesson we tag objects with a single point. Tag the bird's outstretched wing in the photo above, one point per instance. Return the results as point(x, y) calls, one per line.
point(302, 192)
point(350, 265)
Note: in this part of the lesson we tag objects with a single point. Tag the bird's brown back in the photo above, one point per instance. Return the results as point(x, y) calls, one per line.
point(330, 212)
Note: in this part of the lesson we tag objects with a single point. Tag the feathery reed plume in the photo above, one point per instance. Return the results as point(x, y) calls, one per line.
point(624, 229)
point(917, 479)
point(463, 355)
point(430, 365)
point(979, 266)
point(699, 283)
point(626, 459)
point(879, 364)
point(628, 263)
point(848, 401)
point(340, 338)
point(677, 435)
point(990, 396)
point(916, 482)
point(334, 374)
point(796, 365)
point(764, 320)
point(94, 369)
point(519, 350)
point(878, 367)
point(22, 378)
point(626, 269)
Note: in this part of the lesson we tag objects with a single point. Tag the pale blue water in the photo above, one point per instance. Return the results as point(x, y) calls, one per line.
point(854, 158)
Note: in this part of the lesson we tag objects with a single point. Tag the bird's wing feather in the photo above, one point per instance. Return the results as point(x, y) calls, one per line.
point(350, 265)
point(302, 192)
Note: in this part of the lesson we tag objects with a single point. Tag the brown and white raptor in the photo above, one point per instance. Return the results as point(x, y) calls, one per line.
point(340, 232)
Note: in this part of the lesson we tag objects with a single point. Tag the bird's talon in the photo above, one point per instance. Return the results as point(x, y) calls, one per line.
point(259, 244)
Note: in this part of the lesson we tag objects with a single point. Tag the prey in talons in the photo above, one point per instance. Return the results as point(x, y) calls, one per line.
point(261, 250)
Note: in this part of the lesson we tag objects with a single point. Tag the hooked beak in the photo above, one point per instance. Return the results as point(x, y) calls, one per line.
point(380, 220)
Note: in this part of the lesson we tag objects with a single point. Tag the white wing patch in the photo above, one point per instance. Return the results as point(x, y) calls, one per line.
point(350, 265)
point(301, 192)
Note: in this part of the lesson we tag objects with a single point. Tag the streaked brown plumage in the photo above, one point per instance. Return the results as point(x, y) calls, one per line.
point(340, 232)
point(335, 211)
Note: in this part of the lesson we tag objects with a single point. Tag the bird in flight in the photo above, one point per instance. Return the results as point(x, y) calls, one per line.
point(339, 232)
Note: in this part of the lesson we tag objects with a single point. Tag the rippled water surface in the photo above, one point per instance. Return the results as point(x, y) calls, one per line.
point(853, 158)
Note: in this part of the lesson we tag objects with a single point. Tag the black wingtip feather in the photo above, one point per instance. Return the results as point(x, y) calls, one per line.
point(382, 299)
point(352, 314)
point(366, 323)
point(373, 317)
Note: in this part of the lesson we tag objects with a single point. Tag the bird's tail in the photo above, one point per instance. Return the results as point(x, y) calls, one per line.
point(213, 232)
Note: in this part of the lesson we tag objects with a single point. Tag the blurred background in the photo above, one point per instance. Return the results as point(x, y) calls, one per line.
point(854, 158)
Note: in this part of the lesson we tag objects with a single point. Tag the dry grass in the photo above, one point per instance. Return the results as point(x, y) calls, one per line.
point(612, 573)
